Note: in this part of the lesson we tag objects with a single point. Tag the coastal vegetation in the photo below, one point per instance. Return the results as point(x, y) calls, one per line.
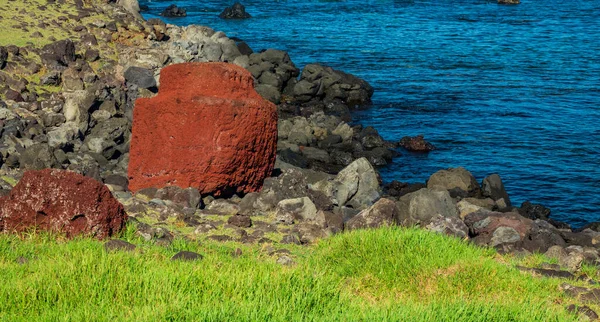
point(394, 274)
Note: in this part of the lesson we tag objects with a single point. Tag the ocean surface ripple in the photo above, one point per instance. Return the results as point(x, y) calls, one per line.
point(513, 90)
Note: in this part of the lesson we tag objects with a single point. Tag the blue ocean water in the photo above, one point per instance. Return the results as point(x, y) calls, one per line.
point(513, 90)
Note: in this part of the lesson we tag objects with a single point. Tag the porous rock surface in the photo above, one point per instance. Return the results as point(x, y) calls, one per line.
point(207, 128)
point(61, 201)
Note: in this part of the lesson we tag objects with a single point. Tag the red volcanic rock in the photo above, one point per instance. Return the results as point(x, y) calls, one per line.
point(61, 201)
point(416, 144)
point(207, 128)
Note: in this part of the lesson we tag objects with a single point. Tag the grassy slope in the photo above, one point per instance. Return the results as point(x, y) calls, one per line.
point(387, 274)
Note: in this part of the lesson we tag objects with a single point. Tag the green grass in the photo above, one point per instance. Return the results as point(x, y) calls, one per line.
point(390, 274)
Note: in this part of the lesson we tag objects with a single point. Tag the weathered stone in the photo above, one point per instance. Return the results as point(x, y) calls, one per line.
point(240, 221)
point(223, 207)
point(36, 157)
point(422, 206)
point(383, 213)
point(59, 53)
point(454, 178)
point(141, 77)
point(485, 227)
point(357, 185)
point(215, 133)
point(493, 187)
point(64, 202)
point(189, 197)
point(452, 226)
point(291, 210)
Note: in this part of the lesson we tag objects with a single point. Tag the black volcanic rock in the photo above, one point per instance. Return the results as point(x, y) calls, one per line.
point(237, 11)
point(174, 11)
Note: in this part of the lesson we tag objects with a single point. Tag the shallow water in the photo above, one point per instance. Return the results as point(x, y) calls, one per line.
point(513, 90)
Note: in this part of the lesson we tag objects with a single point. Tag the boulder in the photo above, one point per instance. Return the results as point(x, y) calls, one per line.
point(64, 202)
point(36, 157)
point(331, 84)
point(291, 210)
point(496, 228)
point(357, 185)
point(173, 11)
point(237, 11)
point(207, 128)
point(456, 180)
point(416, 144)
point(448, 226)
point(383, 213)
point(142, 77)
point(509, 1)
point(534, 211)
point(493, 187)
point(422, 206)
point(58, 54)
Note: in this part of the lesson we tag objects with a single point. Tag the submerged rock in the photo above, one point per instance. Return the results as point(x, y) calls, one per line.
point(237, 11)
point(173, 11)
point(416, 144)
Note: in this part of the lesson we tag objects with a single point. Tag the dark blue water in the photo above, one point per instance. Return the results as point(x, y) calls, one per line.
point(508, 89)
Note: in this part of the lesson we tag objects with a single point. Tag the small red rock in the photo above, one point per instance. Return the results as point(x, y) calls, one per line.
point(416, 144)
point(61, 201)
point(207, 129)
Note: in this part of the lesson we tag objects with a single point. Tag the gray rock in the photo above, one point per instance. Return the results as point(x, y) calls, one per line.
point(141, 77)
point(105, 136)
point(383, 213)
point(223, 207)
point(493, 187)
point(422, 206)
point(189, 197)
point(357, 185)
point(77, 106)
point(309, 232)
point(291, 210)
point(61, 136)
point(269, 93)
point(452, 179)
point(452, 226)
point(504, 235)
point(316, 154)
point(38, 156)
point(306, 89)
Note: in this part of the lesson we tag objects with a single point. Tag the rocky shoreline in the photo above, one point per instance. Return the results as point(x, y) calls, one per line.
point(69, 105)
